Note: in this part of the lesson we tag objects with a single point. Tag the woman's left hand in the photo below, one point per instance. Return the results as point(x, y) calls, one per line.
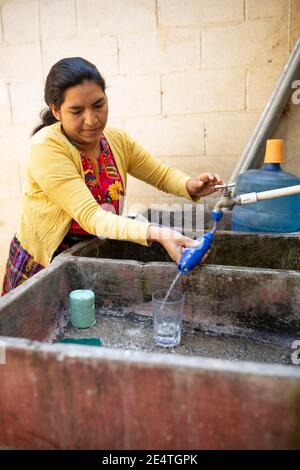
point(204, 184)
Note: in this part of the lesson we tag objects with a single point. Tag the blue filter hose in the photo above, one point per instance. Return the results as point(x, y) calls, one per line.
point(192, 257)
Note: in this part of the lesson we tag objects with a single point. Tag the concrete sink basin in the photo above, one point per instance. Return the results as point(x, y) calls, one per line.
point(232, 383)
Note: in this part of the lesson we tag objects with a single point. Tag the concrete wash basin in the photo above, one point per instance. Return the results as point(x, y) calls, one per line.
point(263, 250)
point(231, 384)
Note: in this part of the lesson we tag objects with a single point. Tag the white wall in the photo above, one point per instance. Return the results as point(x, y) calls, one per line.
point(188, 79)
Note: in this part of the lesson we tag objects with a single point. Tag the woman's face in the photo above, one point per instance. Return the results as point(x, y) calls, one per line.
point(83, 113)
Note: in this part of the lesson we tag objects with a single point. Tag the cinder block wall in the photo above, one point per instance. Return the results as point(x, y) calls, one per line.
point(187, 79)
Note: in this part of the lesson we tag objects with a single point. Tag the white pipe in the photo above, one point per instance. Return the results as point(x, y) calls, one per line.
point(251, 198)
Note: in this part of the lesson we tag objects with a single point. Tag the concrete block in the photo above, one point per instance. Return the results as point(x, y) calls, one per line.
point(251, 43)
point(116, 16)
point(260, 84)
point(203, 91)
point(167, 50)
point(141, 196)
point(116, 122)
point(1, 25)
point(5, 115)
point(294, 22)
point(266, 9)
point(292, 146)
point(10, 207)
point(194, 166)
point(281, 132)
point(21, 62)
point(20, 21)
point(14, 140)
point(228, 133)
point(9, 180)
point(139, 189)
point(58, 13)
point(223, 165)
point(101, 51)
point(27, 102)
point(134, 96)
point(183, 135)
point(199, 12)
point(293, 110)
point(191, 165)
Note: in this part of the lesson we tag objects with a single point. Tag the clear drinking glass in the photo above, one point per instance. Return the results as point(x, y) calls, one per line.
point(167, 317)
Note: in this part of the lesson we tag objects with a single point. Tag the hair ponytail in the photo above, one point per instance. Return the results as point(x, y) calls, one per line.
point(64, 74)
point(47, 119)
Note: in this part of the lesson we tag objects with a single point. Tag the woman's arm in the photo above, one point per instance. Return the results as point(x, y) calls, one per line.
point(57, 176)
point(172, 241)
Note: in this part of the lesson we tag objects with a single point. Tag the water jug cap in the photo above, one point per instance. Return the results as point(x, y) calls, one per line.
point(274, 151)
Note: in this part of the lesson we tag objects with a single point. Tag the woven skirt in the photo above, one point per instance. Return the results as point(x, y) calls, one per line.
point(21, 265)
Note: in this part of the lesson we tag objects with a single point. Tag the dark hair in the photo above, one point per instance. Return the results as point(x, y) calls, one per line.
point(64, 74)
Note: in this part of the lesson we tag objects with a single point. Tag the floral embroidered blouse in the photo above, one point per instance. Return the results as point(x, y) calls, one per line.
point(103, 180)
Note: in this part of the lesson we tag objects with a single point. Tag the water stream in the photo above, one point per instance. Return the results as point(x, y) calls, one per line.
point(170, 289)
point(179, 273)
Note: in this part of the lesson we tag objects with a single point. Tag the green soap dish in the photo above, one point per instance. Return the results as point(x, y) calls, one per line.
point(81, 341)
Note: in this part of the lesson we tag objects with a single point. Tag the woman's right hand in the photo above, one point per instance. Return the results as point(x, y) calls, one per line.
point(173, 242)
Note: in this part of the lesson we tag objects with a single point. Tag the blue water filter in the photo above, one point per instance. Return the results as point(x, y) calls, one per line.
point(192, 256)
point(280, 215)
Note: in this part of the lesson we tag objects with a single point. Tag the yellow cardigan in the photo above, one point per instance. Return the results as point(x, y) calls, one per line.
point(55, 191)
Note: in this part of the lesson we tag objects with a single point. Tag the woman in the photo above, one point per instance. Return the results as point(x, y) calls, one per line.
point(76, 176)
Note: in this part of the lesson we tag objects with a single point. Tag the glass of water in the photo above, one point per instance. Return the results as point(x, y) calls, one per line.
point(167, 317)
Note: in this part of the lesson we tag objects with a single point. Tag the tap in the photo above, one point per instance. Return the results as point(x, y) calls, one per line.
point(227, 200)
point(192, 257)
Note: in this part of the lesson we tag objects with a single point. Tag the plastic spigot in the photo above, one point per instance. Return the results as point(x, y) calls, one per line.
point(216, 215)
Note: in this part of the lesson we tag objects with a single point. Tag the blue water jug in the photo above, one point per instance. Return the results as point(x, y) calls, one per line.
point(279, 215)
